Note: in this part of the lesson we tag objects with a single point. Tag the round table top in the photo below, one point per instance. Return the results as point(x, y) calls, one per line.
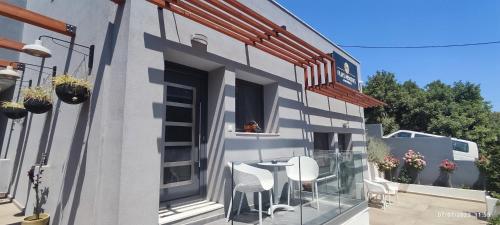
point(275, 164)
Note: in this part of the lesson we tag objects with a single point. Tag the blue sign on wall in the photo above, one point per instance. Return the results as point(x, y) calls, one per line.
point(347, 73)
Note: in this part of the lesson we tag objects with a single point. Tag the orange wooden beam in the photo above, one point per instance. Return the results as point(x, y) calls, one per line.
point(5, 63)
point(10, 44)
point(119, 2)
point(36, 19)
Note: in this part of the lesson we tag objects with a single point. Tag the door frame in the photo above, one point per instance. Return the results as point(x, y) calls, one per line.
point(198, 78)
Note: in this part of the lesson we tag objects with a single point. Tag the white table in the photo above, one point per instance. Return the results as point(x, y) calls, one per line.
point(276, 204)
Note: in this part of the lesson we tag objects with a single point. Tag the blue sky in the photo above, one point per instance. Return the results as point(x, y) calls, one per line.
point(423, 22)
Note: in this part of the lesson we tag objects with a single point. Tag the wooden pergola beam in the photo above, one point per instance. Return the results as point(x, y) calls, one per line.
point(36, 19)
point(10, 44)
point(5, 63)
point(119, 2)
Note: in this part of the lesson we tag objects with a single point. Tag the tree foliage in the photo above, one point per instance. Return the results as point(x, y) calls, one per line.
point(456, 110)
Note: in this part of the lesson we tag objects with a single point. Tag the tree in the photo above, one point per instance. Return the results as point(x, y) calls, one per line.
point(456, 110)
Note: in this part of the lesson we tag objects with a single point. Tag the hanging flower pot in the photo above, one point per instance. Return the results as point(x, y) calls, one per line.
point(71, 90)
point(37, 100)
point(13, 110)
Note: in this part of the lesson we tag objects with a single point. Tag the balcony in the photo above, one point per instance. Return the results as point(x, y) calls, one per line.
point(319, 188)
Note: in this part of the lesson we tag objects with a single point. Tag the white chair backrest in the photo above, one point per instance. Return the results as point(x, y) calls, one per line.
point(309, 169)
point(374, 187)
point(250, 178)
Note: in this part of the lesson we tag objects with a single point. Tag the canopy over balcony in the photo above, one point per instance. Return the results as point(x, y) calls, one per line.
point(238, 21)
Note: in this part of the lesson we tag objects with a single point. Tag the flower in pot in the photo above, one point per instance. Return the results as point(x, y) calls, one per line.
point(37, 100)
point(414, 161)
point(388, 166)
point(38, 217)
point(13, 110)
point(447, 167)
point(71, 89)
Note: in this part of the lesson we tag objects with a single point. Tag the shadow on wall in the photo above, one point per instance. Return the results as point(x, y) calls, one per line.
point(74, 173)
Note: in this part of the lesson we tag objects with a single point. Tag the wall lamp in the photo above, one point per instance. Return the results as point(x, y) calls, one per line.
point(9, 73)
point(37, 49)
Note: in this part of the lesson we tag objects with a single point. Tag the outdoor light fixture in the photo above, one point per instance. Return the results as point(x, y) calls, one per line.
point(9, 73)
point(37, 49)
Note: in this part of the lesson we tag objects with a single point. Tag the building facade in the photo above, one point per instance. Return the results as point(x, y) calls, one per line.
point(170, 100)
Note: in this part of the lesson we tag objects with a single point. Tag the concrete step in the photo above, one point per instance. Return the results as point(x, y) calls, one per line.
point(192, 214)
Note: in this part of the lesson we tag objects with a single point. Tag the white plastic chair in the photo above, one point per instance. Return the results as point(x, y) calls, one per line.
point(392, 187)
point(308, 172)
point(378, 190)
point(251, 179)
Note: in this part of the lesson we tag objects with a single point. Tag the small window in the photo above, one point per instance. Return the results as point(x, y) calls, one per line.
point(249, 104)
point(344, 142)
point(422, 135)
point(402, 135)
point(460, 146)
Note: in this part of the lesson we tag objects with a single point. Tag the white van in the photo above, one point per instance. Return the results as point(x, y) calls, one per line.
point(462, 149)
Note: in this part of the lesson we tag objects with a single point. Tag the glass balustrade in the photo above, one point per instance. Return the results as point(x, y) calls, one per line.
point(298, 190)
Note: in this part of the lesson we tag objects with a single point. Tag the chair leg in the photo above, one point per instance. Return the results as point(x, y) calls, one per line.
point(289, 190)
point(317, 193)
point(230, 205)
point(241, 201)
point(271, 203)
point(260, 208)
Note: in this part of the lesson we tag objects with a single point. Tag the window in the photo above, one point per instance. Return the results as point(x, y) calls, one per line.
point(345, 142)
point(402, 135)
point(422, 135)
point(460, 146)
point(249, 104)
point(321, 141)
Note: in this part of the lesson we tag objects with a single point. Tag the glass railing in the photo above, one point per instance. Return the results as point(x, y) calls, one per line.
point(295, 190)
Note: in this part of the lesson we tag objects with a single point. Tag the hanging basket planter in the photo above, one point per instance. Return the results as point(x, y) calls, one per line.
point(37, 106)
point(13, 110)
point(71, 90)
point(37, 100)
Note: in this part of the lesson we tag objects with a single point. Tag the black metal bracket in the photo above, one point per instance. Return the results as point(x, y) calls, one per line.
point(91, 49)
point(70, 28)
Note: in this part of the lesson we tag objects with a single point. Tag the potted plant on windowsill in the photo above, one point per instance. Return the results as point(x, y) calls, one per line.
point(13, 110)
point(38, 217)
point(71, 90)
point(37, 100)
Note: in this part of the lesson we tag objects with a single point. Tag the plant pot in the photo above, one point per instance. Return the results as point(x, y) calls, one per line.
point(414, 175)
point(72, 94)
point(445, 179)
point(30, 220)
point(389, 174)
point(14, 113)
point(37, 106)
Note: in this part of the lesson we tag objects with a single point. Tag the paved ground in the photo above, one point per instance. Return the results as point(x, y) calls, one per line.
point(9, 213)
point(412, 209)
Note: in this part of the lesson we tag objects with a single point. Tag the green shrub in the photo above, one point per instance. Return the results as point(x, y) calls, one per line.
point(377, 150)
point(494, 221)
point(404, 176)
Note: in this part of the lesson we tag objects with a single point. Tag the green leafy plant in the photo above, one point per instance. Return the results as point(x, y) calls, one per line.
point(494, 220)
point(37, 93)
point(377, 150)
point(70, 80)
point(404, 176)
point(12, 105)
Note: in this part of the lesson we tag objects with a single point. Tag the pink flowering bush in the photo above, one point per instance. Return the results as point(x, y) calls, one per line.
point(447, 165)
point(414, 160)
point(389, 163)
